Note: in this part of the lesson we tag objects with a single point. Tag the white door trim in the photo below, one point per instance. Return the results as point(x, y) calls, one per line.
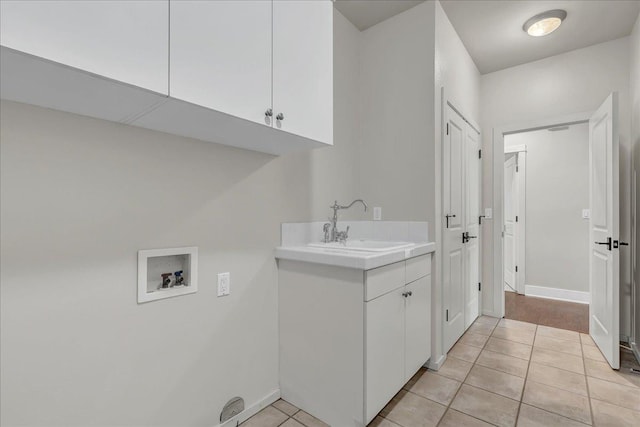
point(498, 188)
point(521, 179)
point(515, 149)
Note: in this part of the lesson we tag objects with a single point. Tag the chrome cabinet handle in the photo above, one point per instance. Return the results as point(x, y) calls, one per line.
point(269, 112)
point(280, 116)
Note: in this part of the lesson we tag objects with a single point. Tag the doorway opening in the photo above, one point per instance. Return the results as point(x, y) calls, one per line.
point(546, 226)
point(603, 271)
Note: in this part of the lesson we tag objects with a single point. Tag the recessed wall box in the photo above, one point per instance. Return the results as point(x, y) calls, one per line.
point(165, 273)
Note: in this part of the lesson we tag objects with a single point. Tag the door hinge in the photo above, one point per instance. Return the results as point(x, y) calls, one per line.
point(516, 268)
point(479, 154)
point(517, 168)
point(447, 128)
point(479, 286)
point(516, 218)
point(447, 315)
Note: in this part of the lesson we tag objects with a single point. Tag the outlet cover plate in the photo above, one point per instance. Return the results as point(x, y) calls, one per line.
point(224, 284)
point(377, 214)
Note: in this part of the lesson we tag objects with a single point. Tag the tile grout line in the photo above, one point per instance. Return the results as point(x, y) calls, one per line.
point(561, 389)
point(586, 381)
point(526, 377)
point(466, 376)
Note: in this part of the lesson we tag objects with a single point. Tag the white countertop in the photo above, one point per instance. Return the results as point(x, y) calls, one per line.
point(353, 259)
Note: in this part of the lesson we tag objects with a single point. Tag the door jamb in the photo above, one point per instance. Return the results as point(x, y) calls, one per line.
point(521, 226)
point(498, 134)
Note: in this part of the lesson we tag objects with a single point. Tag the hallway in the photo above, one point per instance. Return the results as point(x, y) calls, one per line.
point(543, 311)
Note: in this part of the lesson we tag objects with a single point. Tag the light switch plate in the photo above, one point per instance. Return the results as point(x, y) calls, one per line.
point(224, 284)
point(586, 214)
point(488, 213)
point(377, 214)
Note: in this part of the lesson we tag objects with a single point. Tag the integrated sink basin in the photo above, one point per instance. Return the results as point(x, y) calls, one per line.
point(363, 245)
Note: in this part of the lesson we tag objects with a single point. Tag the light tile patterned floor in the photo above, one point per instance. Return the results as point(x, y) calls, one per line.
point(503, 373)
point(282, 414)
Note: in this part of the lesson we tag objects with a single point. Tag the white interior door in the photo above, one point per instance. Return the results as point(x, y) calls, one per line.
point(604, 260)
point(510, 209)
point(453, 226)
point(472, 221)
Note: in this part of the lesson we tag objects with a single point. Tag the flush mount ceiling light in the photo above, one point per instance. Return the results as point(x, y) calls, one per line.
point(544, 23)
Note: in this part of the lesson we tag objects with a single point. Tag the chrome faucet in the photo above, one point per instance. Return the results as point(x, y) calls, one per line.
point(331, 233)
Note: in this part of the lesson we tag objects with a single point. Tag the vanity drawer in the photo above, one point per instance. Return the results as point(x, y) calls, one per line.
point(418, 267)
point(381, 280)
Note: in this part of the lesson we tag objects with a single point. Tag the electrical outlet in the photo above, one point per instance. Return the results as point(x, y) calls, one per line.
point(224, 284)
point(377, 214)
point(488, 213)
point(586, 213)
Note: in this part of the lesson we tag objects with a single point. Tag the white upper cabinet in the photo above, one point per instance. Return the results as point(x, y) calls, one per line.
point(217, 70)
point(221, 56)
point(126, 41)
point(303, 68)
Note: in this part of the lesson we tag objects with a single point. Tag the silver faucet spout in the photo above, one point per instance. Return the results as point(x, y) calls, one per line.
point(336, 235)
point(356, 201)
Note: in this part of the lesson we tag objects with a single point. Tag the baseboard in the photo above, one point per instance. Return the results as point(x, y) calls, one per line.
point(435, 365)
point(557, 294)
point(252, 410)
point(491, 314)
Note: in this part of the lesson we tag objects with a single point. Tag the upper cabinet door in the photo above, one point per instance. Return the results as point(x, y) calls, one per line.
point(303, 68)
point(221, 56)
point(122, 40)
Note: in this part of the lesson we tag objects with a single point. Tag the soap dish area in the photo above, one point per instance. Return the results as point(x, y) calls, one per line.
point(154, 263)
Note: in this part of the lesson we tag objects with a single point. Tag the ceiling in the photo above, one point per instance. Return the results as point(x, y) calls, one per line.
point(491, 30)
point(367, 13)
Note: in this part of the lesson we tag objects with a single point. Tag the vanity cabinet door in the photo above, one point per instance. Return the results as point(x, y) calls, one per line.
point(126, 41)
point(384, 342)
point(417, 329)
point(221, 56)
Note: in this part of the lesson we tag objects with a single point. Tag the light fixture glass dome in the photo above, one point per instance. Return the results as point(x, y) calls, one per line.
point(544, 23)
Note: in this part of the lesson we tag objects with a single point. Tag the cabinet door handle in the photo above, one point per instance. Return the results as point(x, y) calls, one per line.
point(269, 112)
point(407, 294)
point(280, 116)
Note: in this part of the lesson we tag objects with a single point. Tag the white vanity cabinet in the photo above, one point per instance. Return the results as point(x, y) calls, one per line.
point(126, 41)
point(350, 339)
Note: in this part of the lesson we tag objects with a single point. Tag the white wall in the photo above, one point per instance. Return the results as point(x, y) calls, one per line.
point(396, 110)
point(455, 71)
point(81, 196)
point(635, 139)
point(405, 61)
point(556, 234)
point(569, 83)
